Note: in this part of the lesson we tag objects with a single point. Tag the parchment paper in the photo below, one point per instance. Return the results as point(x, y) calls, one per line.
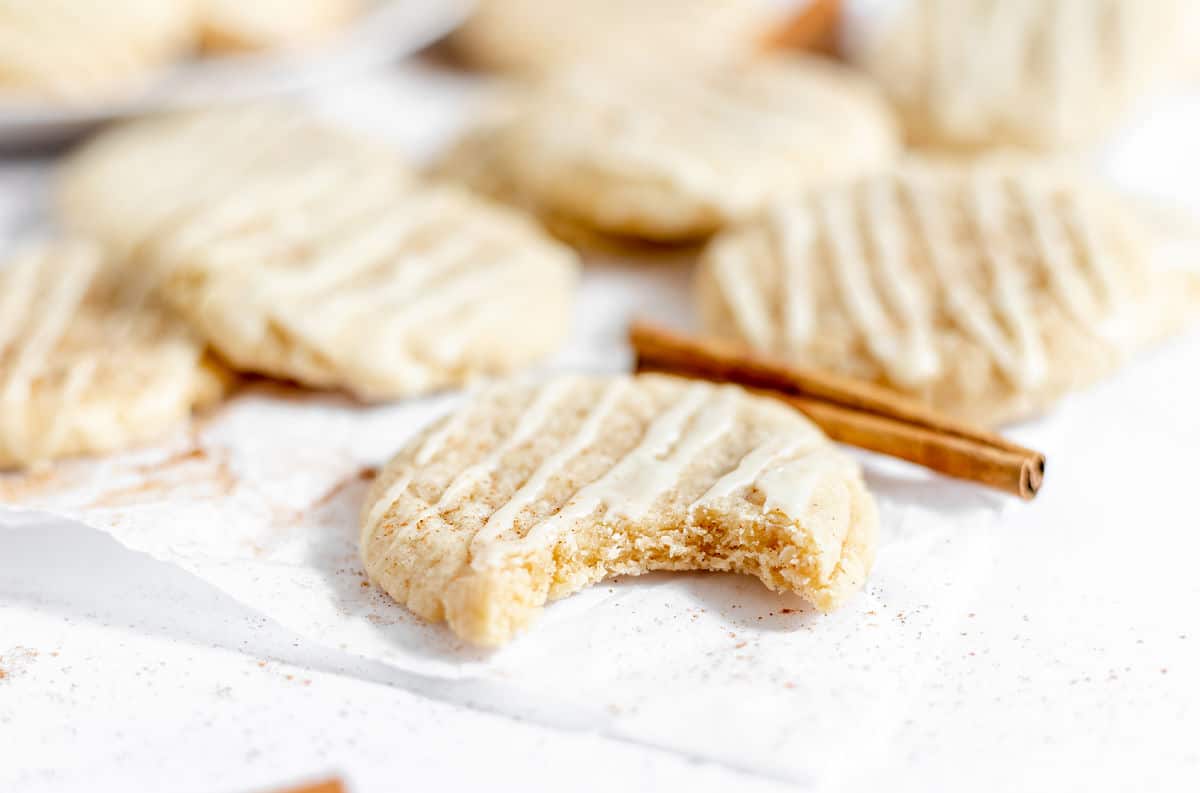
point(260, 498)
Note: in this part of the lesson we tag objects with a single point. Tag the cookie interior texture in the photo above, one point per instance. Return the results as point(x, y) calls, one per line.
point(538, 36)
point(532, 492)
point(1032, 73)
point(670, 155)
point(90, 362)
point(987, 290)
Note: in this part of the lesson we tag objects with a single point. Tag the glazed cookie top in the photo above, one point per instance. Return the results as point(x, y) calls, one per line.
point(988, 290)
point(673, 156)
point(89, 361)
point(533, 491)
point(1033, 73)
point(337, 278)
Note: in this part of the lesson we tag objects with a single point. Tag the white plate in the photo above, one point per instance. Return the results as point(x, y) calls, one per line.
point(393, 29)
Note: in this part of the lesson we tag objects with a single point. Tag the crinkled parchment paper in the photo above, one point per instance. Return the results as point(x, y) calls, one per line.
point(261, 497)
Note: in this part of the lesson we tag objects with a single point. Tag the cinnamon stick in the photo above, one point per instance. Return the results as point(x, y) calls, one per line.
point(814, 28)
point(328, 786)
point(850, 411)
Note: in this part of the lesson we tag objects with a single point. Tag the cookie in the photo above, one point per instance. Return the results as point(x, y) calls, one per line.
point(1027, 73)
point(90, 362)
point(671, 157)
point(239, 26)
point(83, 51)
point(532, 36)
point(476, 160)
point(988, 290)
point(125, 183)
point(532, 492)
point(337, 279)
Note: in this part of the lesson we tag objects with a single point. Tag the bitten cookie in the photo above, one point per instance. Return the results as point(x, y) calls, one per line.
point(80, 51)
point(1029, 73)
point(242, 25)
point(674, 156)
point(122, 186)
point(988, 290)
point(89, 361)
point(536, 36)
point(532, 492)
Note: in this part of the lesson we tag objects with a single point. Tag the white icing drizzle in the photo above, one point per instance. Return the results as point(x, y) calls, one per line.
point(919, 355)
point(504, 518)
point(1060, 261)
point(71, 280)
point(532, 419)
point(612, 489)
point(642, 488)
point(1096, 255)
point(1027, 364)
point(989, 240)
point(392, 259)
point(688, 133)
point(970, 311)
point(325, 228)
point(429, 449)
point(752, 465)
point(785, 469)
point(269, 201)
point(895, 347)
point(789, 488)
point(1024, 63)
point(795, 236)
point(16, 300)
point(369, 244)
point(736, 279)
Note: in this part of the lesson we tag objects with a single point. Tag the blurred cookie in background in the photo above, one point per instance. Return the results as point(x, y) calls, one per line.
point(673, 155)
point(90, 361)
point(306, 253)
point(387, 292)
point(1037, 74)
point(252, 25)
point(988, 290)
point(80, 51)
point(124, 184)
point(538, 36)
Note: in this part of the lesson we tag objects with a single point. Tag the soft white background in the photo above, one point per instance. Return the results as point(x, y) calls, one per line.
point(1069, 659)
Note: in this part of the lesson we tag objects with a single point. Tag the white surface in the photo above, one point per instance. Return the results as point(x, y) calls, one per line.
point(1065, 660)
